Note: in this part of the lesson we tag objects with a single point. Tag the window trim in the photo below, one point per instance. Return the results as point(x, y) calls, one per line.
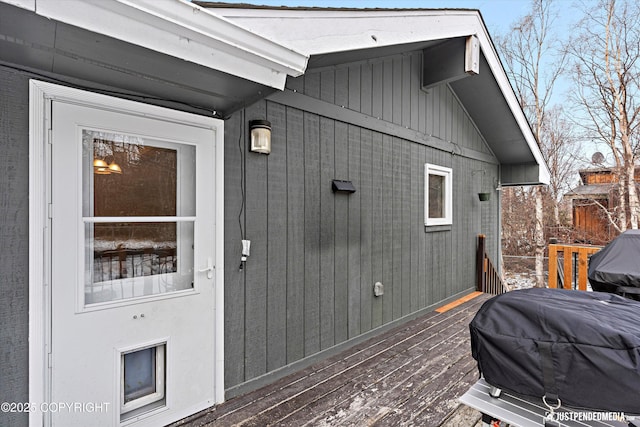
point(447, 173)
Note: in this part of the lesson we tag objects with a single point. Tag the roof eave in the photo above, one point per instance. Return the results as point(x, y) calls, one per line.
point(183, 30)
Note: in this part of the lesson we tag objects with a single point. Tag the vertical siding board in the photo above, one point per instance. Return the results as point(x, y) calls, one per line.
point(277, 239)
point(377, 84)
point(311, 234)
point(405, 211)
point(387, 228)
point(468, 239)
point(342, 87)
point(458, 123)
point(341, 235)
point(439, 114)
point(406, 91)
point(434, 93)
point(354, 87)
point(414, 225)
point(327, 239)
point(429, 107)
point(295, 235)
point(327, 85)
point(14, 235)
point(396, 97)
point(463, 128)
point(387, 90)
point(366, 83)
point(256, 269)
point(235, 146)
point(436, 252)
point(446, 259)
point(472, 136)
point(445, 116)
point(396, 201)
point(441, 282)
point(459, 219)
point(355, 242)
point(377, 253)
point(430, 249)
point(366, 209)
point(422, 248)
point(422, 111)
point(415, 92)
point(312, 85)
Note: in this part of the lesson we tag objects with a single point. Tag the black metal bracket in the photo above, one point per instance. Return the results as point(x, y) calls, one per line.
point(339, 186)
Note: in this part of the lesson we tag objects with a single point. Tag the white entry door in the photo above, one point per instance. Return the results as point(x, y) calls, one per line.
point(132, 274)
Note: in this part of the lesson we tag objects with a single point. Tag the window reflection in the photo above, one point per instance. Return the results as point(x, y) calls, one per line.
point(130, 177)
point(436, 196)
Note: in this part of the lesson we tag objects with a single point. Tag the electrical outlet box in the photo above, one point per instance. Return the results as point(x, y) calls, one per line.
point(378, 289)
point(246, 248)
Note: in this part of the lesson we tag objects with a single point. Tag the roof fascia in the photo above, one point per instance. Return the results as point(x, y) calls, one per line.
point(491, 55)
point(25, 4)
point(183, 30)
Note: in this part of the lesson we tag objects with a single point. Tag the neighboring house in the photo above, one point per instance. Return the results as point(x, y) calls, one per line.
point(128, 187)
point(589, 201)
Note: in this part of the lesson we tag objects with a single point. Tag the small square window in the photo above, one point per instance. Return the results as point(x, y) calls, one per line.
point(142, 379)
point(438, 195)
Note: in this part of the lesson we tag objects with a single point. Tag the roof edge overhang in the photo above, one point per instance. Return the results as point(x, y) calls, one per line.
point(183, 30)
point(342, 30)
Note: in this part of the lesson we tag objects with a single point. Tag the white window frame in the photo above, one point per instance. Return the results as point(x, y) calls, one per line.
point(447, 173)
point(149, 399)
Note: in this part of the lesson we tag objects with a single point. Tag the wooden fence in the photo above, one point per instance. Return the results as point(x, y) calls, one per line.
point(573, 255)
point(488, 278)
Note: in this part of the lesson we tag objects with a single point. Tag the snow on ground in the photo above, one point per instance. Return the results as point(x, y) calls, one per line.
point(519, 280)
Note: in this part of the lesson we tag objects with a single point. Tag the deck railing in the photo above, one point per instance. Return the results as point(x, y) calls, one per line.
point(573, 269)
point(127, 263)
point(488, 278)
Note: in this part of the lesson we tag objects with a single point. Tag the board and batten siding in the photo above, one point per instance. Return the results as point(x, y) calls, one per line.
point(14, 236)
point(315, 255)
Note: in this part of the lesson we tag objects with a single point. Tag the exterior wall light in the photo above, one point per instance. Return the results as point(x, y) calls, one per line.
point(260, 136)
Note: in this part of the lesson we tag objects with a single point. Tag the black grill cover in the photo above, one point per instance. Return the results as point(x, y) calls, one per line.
point(617, 264)
point(593, 338)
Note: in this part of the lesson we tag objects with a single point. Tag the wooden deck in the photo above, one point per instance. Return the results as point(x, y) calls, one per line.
point(410, 375)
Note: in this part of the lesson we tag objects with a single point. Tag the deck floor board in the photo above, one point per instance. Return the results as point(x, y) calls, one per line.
point(409, 375)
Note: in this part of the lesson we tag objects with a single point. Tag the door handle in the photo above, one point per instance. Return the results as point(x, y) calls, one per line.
point(209, 269)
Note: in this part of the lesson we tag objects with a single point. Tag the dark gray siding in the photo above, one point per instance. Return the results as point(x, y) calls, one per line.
point(14, 237)
point(315, 255)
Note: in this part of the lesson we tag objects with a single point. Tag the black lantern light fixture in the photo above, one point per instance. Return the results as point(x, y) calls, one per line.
point(260, 136)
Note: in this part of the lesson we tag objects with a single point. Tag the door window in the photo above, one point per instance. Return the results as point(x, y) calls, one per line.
point(138, 214)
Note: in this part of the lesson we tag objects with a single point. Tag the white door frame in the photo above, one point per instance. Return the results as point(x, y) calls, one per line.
point(40, 96)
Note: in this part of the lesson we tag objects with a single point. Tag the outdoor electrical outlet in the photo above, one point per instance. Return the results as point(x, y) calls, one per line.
point(378, 289)
point(246, 247)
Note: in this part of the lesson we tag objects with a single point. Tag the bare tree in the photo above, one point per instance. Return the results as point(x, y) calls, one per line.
point(535, 61)
point(560, 148)
point(605, 68)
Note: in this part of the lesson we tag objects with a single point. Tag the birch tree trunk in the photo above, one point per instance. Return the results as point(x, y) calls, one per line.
point(539, 238)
